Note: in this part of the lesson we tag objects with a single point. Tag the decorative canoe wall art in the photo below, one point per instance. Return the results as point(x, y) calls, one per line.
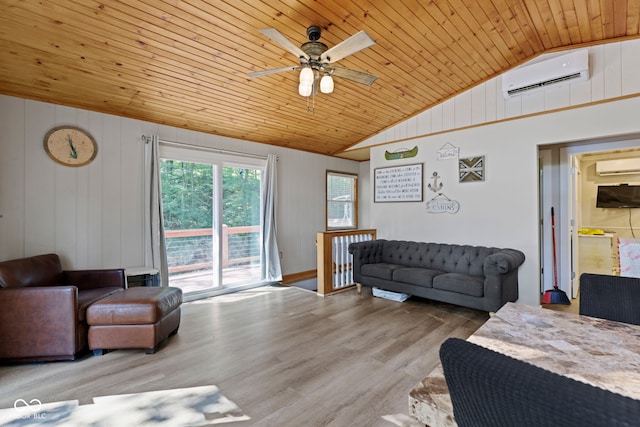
point(402, 153)
point(471, 169)
point(404, 183)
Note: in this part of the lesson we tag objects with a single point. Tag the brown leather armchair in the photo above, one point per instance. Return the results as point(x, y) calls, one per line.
point(42, 307)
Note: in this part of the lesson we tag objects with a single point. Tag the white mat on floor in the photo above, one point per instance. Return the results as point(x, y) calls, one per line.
point(393, 296)
point(194, 406)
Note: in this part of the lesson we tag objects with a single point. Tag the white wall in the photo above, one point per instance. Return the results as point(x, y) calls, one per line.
point(501, 211)
point(364, 196)
point(92, 216)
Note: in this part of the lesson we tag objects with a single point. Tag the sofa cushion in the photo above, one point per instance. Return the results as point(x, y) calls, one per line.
point(379, 270)
point(86, 297)
point(142, 305)
point(416, 276)
point(460, 283)
point(40, 270)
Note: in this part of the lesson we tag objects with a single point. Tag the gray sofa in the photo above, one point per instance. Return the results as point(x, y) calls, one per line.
point(471, 276)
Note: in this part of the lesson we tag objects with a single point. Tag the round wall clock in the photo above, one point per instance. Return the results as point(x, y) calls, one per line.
point(70, 146)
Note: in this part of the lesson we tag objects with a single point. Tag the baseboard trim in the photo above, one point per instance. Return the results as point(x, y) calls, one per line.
point(299, 277)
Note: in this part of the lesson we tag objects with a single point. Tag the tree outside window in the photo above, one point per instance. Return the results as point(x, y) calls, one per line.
point(342, 201)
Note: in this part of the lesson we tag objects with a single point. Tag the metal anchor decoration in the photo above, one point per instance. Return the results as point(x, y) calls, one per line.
point(436, 186)
point(440, 202)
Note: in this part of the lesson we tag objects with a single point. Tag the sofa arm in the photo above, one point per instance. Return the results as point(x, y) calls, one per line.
point(38, 321)
point(91, 279)
point(368, 252)
point(502, 262)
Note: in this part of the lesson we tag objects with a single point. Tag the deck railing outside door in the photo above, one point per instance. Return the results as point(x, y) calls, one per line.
point(191, 250)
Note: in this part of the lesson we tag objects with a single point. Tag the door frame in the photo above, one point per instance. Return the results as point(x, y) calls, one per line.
point(556, 164)
point(220, 160)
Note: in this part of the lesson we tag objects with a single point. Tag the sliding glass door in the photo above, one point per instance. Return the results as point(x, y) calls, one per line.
point(188, 211)
point(211, 207)
point(241, 230)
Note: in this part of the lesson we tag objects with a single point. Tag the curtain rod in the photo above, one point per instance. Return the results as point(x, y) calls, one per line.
point(200, 147)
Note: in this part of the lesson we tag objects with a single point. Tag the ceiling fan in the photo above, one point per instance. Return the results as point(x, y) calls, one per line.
point(316, 60)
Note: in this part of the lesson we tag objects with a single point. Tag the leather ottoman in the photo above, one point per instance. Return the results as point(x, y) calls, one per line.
point(140, 317)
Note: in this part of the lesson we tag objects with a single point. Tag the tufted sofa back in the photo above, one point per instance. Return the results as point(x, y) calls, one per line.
point(461, 259)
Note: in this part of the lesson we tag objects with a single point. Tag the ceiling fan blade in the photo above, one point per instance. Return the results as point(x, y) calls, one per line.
point(349, 46)
point(277, 37)
point(273, 71)
point(353, 75)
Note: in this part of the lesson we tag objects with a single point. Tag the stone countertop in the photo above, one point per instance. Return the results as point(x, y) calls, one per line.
point(603, 353)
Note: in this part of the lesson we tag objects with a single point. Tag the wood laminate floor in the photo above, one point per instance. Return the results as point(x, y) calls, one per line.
point(284, 355)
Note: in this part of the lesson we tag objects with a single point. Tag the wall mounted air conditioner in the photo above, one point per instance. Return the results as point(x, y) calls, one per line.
point(618, 167)
point(572, 67)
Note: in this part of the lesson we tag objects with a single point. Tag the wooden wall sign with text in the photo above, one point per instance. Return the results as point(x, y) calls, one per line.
point(398, 184)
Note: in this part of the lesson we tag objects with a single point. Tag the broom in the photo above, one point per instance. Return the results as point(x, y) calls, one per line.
point(555, 295)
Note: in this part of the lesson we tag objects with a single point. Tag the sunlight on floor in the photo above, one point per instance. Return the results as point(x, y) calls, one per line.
point(402, 420)
point(177, 407)
point(240, 295)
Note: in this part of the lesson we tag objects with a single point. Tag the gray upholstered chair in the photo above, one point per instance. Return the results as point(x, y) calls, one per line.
point(610, 297)
point(490, 389)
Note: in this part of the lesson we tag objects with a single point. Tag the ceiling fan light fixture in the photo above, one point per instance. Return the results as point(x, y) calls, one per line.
point(306, 76)
point(326, 84)
point(305, 89)
point(316, 62)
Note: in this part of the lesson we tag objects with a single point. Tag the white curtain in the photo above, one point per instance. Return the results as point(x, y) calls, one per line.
point(272, 270)
point(155, 249)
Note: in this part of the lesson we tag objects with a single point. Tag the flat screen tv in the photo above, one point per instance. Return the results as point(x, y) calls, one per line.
point(618, 196)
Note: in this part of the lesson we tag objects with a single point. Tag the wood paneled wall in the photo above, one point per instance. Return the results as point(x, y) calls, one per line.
point(93, 215)
point(615, 72)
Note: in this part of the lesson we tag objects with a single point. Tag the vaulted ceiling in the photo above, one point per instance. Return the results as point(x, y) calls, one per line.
point(184, 63)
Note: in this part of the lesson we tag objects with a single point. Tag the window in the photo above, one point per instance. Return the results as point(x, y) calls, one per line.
point(342, 201)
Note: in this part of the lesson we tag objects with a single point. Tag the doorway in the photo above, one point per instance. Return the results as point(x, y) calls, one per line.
point(212, 212)
point(567, 183)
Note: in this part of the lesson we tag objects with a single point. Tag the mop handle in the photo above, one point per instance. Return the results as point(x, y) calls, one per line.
point(553, 241)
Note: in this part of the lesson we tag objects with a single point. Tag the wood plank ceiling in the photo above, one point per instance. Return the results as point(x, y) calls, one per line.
point(184, 63)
